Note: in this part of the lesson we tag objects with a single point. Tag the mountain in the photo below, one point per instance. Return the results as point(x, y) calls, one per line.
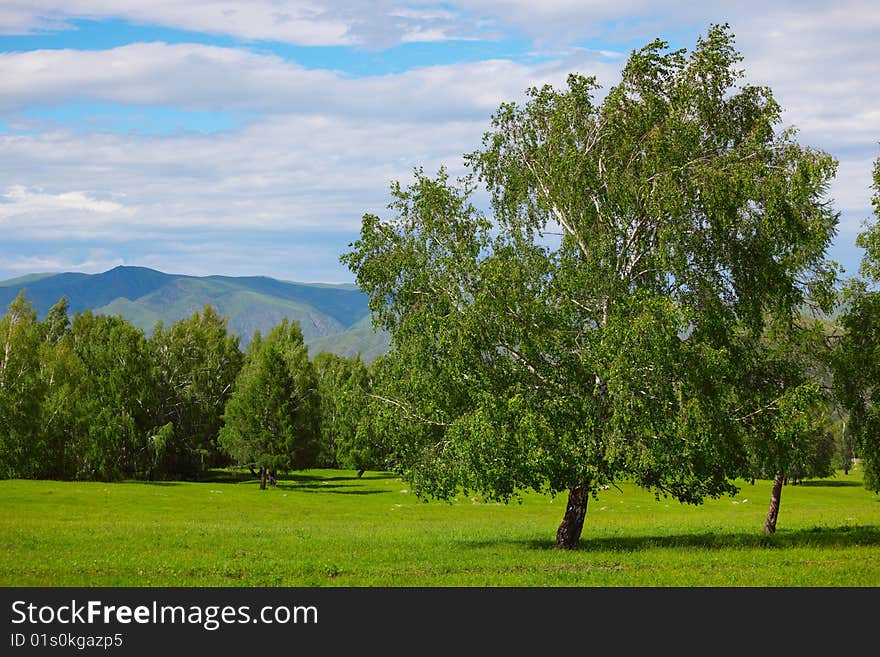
point(333, 317)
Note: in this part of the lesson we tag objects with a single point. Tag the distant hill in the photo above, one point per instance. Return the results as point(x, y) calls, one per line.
point(367, 342)
point(333, 317)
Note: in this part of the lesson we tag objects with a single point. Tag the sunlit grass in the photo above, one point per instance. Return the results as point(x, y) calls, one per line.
point(329, 528)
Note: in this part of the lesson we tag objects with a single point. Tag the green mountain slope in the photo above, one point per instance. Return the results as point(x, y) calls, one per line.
point(86, 291)
point(247, 311)
point(368, 343)
point(253, 303)
point(24, 280)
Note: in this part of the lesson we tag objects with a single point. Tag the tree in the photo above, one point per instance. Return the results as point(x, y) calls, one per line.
point(113, 414)
point(21, 392)
point(583, 334)
point(789, 432)
point(338, 416)
point(271, 420)
point(869, 238)
point(350, 435)
point(62, 374)
point(857, 358)
point(857, 373)
point(197, 363)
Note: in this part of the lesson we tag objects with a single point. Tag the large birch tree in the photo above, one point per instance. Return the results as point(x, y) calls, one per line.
point(587, 330)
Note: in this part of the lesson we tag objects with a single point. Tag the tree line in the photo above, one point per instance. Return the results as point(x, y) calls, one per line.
point(91, 397)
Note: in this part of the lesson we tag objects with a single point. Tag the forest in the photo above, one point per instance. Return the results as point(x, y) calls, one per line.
point(90, 397)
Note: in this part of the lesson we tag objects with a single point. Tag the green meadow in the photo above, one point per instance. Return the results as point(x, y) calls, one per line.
point(330, 528)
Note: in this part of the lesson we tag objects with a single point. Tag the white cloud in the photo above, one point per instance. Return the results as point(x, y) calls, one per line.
point(286, 173)
point(321, 152)
point(19, 200)
point(320, 147)
point(307, 23)
point(36, 214)
point(303, 23)
point(101, 261)
point(199, 77)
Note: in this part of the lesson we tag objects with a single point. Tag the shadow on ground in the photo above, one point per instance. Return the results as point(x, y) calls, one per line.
point(842, 536)
point(343, 483)
point(829, 483)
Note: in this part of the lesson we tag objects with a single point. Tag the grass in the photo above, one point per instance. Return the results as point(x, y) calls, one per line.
point(329, 528)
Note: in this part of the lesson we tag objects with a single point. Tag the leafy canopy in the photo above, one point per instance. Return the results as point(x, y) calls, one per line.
point(587, 330)
point(271, 420)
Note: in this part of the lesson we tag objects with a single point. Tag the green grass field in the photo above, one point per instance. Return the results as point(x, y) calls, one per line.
point(329, 528)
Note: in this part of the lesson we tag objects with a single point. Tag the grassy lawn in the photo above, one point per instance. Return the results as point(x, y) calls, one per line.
point(329, 528)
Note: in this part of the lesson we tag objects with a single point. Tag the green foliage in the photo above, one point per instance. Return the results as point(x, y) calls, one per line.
point(271, 420)
point(111, 413)
point(341, 403)
point(857, 373)
point(197, 362)
point(352, 423)
point(529, 359)
point(869, 239)
point(62, 371)
point(857, 358)
point(783, 376)
point(22, 389)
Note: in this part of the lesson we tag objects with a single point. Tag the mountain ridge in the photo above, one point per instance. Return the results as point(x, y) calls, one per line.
point(332, 316)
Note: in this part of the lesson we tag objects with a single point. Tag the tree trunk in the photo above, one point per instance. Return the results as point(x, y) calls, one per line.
point(361, 473)
point(569, 533)
point(273, 477)
point(262, 478)
point(773, 510)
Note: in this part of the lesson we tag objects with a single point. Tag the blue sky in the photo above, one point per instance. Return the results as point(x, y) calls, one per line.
point(248, 138)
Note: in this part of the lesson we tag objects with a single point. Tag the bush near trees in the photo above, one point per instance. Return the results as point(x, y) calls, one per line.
point(688, 220)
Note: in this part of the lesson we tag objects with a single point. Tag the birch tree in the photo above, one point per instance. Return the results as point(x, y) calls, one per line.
point(584, 332)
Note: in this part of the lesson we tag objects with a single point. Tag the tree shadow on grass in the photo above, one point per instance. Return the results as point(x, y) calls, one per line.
point(321, 487)
point(291, 479)
point(829, 483)
point(225, 477)
point(823, 537)
point(310, 477)
point(342, 484)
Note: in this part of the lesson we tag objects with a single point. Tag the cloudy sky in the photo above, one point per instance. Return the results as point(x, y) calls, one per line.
point(248, 137)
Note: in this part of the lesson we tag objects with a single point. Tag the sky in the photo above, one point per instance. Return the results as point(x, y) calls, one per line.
point(249, 137)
